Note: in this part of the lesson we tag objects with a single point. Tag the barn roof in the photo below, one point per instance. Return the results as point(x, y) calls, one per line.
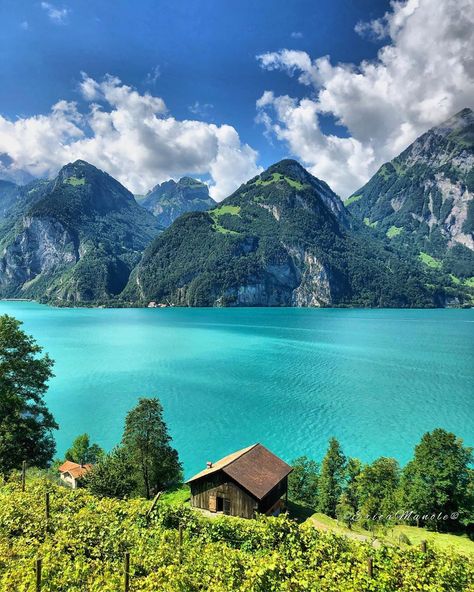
point(255, 468)
point(74, 469)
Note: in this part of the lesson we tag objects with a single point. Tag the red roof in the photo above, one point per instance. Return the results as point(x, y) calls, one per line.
point(74, 469)
point(255, 468)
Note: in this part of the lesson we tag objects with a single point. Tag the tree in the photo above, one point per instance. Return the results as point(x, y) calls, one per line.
point(82, 451)
point(303, 481)
point(147, 442)
point(348, 503)
point(331, 480)
point(438, 480)
point(353, 470)
point(377, 491)
point(112, 476)
point(26, 424)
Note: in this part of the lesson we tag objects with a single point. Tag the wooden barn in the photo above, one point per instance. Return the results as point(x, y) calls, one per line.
point(249, 481)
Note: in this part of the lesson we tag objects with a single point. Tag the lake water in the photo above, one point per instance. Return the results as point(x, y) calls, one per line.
point(288, 378)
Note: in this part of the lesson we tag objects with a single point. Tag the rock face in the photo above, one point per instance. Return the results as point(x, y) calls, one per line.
point(74, 239)
point(423, 198)
point(170, 199)
point(282, 239)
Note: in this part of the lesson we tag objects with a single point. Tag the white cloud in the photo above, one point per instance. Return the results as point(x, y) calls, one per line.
point(297, 35)
point(152, 76)
point(131, 136)
point(201, 109)
point(56, 15)
point(423, 74)
point(24, 25)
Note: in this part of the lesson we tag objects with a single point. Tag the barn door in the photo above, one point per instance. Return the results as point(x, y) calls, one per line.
point(212, 502)
point(226, 506)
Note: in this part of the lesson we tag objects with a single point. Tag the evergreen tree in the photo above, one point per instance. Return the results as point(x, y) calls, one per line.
point(26, 424)
point(331, 480)
point(147, 442)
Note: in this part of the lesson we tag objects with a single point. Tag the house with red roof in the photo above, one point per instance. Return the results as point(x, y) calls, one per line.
point(71, 473)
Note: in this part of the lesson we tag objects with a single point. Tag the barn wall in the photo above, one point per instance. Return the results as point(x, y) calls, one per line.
point(205, 491)
point(273, 496)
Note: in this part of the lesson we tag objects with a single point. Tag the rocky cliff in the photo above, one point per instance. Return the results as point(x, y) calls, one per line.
point(423, 198)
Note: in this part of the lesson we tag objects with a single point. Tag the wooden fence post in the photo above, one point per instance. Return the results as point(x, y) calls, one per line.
point(23, 475)
point(423, 546)
point(126, 572)
point(47, 508)
point(370, 567)
point(180, 539)
point(39, 565)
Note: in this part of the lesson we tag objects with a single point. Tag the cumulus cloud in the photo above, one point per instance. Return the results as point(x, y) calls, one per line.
point(422, 75)
point(56, 15)
point(131, 136)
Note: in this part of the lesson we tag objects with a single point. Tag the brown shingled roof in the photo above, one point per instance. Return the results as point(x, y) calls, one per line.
point(74, 469)
point(255, 468)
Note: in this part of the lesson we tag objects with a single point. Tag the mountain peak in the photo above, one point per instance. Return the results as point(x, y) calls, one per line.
point(168, 200)
point(459, 127)
point(288, 167)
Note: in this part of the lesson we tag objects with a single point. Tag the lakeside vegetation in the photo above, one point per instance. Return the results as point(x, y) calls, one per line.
point(342, 512)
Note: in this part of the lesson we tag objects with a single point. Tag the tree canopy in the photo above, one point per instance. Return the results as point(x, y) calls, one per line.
point(26, 424)
point(147, 442)
point(82, 451)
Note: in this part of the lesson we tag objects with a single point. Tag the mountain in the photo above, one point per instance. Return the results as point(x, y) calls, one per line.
point(8, 195)
point(74, 239)
point(170, 199)
point(282, 239)
point(422, 200)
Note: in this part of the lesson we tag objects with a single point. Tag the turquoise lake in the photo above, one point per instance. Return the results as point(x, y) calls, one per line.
point(288, 378)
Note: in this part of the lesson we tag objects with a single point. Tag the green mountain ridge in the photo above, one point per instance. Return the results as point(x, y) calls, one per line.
point(74, 239)
point(422, 200)
point(171, 199)
point(282, 239)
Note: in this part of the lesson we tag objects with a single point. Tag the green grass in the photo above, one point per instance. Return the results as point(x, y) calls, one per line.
point(177, 496)
point(367, 222)
point(430, 261)
point(223, 210)
point(441, 541)
point(232, 210)
point(352, 199)
point(394, 231)
point(276, 177)
point(75, 181)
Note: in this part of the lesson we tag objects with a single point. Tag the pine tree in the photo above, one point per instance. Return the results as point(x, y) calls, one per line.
point(331, 480)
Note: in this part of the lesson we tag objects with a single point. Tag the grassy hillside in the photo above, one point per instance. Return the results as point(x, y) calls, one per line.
point(83, 544)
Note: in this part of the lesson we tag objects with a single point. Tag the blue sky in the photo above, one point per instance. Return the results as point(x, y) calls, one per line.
point(199, 56)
